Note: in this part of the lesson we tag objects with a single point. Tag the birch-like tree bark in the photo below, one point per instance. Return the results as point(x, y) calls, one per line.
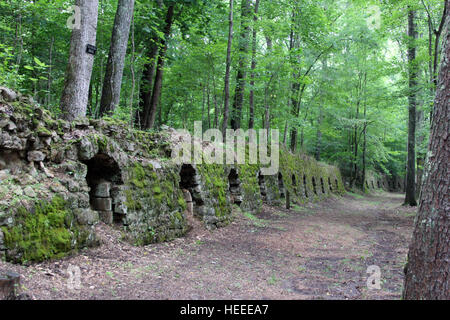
point(74, 98)
point(116, 58)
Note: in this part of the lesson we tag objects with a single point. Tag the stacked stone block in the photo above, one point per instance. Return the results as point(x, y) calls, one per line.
point(102, 201)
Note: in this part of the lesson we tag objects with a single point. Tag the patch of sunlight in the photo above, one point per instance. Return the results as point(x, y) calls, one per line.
point(355, 195)
point(257, 222)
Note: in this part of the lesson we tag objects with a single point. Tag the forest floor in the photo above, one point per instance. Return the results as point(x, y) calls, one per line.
point(314, 251)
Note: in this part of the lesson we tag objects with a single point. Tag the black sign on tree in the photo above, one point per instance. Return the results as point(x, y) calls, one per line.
point(91, 49)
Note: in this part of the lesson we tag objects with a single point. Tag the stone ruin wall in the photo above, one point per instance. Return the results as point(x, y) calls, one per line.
point(59, 179)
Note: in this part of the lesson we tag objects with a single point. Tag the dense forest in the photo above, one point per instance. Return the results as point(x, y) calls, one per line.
point(331, 76)
point(350, 83)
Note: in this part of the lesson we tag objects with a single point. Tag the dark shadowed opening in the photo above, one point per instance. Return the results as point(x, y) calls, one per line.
point(321, 184)
point(378, 183)
point(235, 187)
point(304, 186)
point(189, 182)
point(336, 184)
point(281, 185)
point(103, 175)
point(329, 184)
point(262, 186)
point(294, 184)
point(314, 184)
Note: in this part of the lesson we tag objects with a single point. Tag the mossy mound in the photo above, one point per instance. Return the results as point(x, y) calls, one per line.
point(47, 231)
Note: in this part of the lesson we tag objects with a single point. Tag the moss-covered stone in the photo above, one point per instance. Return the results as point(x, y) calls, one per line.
point(45, 232)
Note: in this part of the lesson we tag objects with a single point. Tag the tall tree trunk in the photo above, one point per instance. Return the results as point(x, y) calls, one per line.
point(49, 80)
point(427, 272)
point(74, 98)
point(209, 105)
point(145, 92)
point(410, 198)
point(320, 118)
point(267, 107)
point(150, 119)
point(133, 76)
point(267, 99)
point(226, 103)
point(19, 39)
point(116, 59)
point(216, 106)
point(285, 132)
point(420, 158)
point(319, 134)
point(436, 49)
point(438, 33)
point(203, 104)
point(236, 113)
point(148, 75)
point(295, 86)
point(251, 120)
point(364, 148)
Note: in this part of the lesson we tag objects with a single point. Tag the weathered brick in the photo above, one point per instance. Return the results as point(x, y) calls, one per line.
point(102, 204)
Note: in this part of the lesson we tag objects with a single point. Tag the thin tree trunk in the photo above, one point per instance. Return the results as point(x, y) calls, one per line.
point(116, 59)
point(203, 103)
point(285, 132)
point(320, 118)
point(410, 198)
point(227, 72)
point(133, 77)
point(251, 121)
point(364, 151)
point(74, 98)
point(20, 39)
point(216, 107)
point(145, 94)
point(238, 101)
point(427, 271)
point(437, 42)
point(267, 100)
point(49, 80)
point(319, 133)
point(209, 105)
point(295, 86)
point(436, 49)
point(148, 74)
point(150, 120)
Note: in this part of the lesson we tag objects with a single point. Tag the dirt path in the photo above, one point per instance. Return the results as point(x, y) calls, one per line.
point(315, 251)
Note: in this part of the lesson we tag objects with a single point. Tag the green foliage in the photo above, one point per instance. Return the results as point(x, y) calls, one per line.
point(345, 56)
point(9, 75)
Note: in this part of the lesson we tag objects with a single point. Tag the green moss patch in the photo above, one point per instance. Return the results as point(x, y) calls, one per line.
point(43, 234)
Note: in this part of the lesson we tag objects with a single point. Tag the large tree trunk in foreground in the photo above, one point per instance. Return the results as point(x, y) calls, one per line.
point(410, 198)
point(150, 118)
point(428, 269)
point(116, 58)
point(74, 98)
